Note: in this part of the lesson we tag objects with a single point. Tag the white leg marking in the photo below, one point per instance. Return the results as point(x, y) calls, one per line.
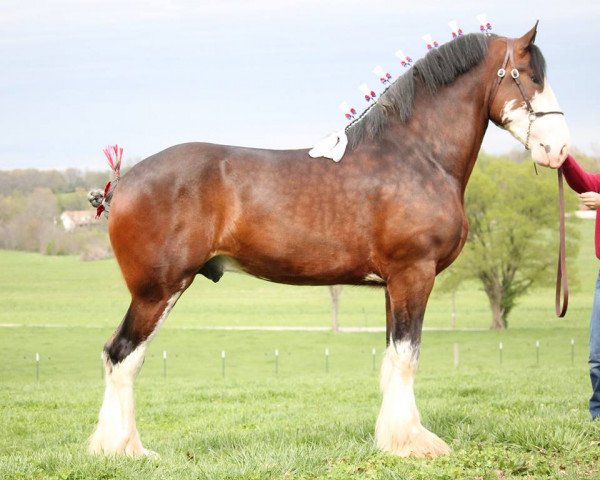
point(116, 432)
point(399, 430)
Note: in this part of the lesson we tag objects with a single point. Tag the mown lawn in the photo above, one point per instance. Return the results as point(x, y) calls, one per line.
point(517, 419)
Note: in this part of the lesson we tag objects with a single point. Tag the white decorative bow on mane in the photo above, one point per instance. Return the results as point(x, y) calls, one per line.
point(332, 146)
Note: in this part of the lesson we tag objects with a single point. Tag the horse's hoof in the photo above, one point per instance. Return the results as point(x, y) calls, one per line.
point(131, 446)
point(149, 454)
point(416, 441)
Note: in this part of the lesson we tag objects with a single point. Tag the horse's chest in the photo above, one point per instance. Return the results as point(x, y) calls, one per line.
point(433, 230)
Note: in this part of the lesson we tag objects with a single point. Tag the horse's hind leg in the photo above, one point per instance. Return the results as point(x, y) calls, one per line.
point(123, 356)
point(399, 430)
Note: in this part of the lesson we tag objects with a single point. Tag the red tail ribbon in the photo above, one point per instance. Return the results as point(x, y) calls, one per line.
point(114, 155)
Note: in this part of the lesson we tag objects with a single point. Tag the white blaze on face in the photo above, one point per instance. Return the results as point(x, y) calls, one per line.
point(549, 137)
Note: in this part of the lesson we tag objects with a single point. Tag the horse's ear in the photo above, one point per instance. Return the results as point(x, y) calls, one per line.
point(528, 39)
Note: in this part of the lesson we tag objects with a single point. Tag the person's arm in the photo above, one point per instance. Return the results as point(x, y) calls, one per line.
point(578, 179)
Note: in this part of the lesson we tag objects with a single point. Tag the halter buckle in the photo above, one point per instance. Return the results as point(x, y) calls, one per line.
point(514, 73)
point(501, 73)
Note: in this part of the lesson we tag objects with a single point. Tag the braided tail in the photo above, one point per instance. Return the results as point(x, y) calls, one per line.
point(100, 199)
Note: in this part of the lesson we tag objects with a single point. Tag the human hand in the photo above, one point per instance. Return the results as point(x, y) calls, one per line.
point(590, 199)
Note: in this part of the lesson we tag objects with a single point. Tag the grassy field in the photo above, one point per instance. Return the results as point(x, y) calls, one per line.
point(519, 418)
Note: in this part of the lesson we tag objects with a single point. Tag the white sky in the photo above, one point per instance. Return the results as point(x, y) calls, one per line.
point(77, 75)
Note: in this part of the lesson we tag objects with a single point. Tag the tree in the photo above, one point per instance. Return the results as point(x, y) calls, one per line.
point(512, 244)
point(335, 292)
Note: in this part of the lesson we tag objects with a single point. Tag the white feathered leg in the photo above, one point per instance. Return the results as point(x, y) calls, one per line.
point(116, 432)
point(399, 430)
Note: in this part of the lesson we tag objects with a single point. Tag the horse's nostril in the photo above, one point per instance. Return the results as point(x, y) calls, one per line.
point(547, 148)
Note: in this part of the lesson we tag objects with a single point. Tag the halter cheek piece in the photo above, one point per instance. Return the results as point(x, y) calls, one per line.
point(514, 73)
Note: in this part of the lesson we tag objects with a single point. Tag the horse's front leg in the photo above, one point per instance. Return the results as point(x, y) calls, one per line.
point(399, 430)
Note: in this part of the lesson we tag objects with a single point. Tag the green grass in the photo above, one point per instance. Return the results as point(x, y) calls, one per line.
point(517, 419)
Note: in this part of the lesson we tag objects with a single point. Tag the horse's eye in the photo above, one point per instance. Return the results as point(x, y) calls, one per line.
point(535, 80)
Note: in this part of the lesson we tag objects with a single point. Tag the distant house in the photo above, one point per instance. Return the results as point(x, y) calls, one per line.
point(72, 219)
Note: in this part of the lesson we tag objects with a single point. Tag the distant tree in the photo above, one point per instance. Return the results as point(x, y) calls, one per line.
point(58, 181)
point(25, 181)
point(590, 163)
point(335, 292)
point(513, 233)
point(96, 179)
point(73, 178)
point(27, 221)
point(76, 200)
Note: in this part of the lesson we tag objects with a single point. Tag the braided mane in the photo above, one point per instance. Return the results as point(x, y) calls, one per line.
point(441, 66)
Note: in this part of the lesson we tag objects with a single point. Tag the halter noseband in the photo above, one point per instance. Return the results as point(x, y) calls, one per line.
point(514, 73)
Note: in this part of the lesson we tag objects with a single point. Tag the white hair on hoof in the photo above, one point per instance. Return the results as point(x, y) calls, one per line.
point(116, 432)
point(399, 430)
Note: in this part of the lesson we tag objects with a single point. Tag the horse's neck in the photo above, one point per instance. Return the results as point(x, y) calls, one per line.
point(449, 126)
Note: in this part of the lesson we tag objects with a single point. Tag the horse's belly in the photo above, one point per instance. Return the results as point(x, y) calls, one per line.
point(303, 270)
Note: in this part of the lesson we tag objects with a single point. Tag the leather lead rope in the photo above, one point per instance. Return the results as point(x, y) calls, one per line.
point(561, 273)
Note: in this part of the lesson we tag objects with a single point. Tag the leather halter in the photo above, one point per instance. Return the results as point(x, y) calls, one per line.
point(514, 73)
point(561, 274)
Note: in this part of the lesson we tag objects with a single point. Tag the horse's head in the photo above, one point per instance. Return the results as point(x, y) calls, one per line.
point(522, 102)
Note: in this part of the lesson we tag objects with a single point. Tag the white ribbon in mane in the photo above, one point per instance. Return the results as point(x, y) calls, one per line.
point(332, 146)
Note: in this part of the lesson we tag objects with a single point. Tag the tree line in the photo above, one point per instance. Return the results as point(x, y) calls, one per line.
point(57, 181)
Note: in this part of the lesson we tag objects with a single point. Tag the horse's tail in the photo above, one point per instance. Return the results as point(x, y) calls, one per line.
point(100, 199)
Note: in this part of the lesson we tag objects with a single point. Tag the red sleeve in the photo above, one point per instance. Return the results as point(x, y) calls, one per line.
point(578, 179)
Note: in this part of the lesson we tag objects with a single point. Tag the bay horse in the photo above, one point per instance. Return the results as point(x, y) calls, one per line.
point(390, 214)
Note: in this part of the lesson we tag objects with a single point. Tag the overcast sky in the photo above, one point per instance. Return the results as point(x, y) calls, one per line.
point(77, 75)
